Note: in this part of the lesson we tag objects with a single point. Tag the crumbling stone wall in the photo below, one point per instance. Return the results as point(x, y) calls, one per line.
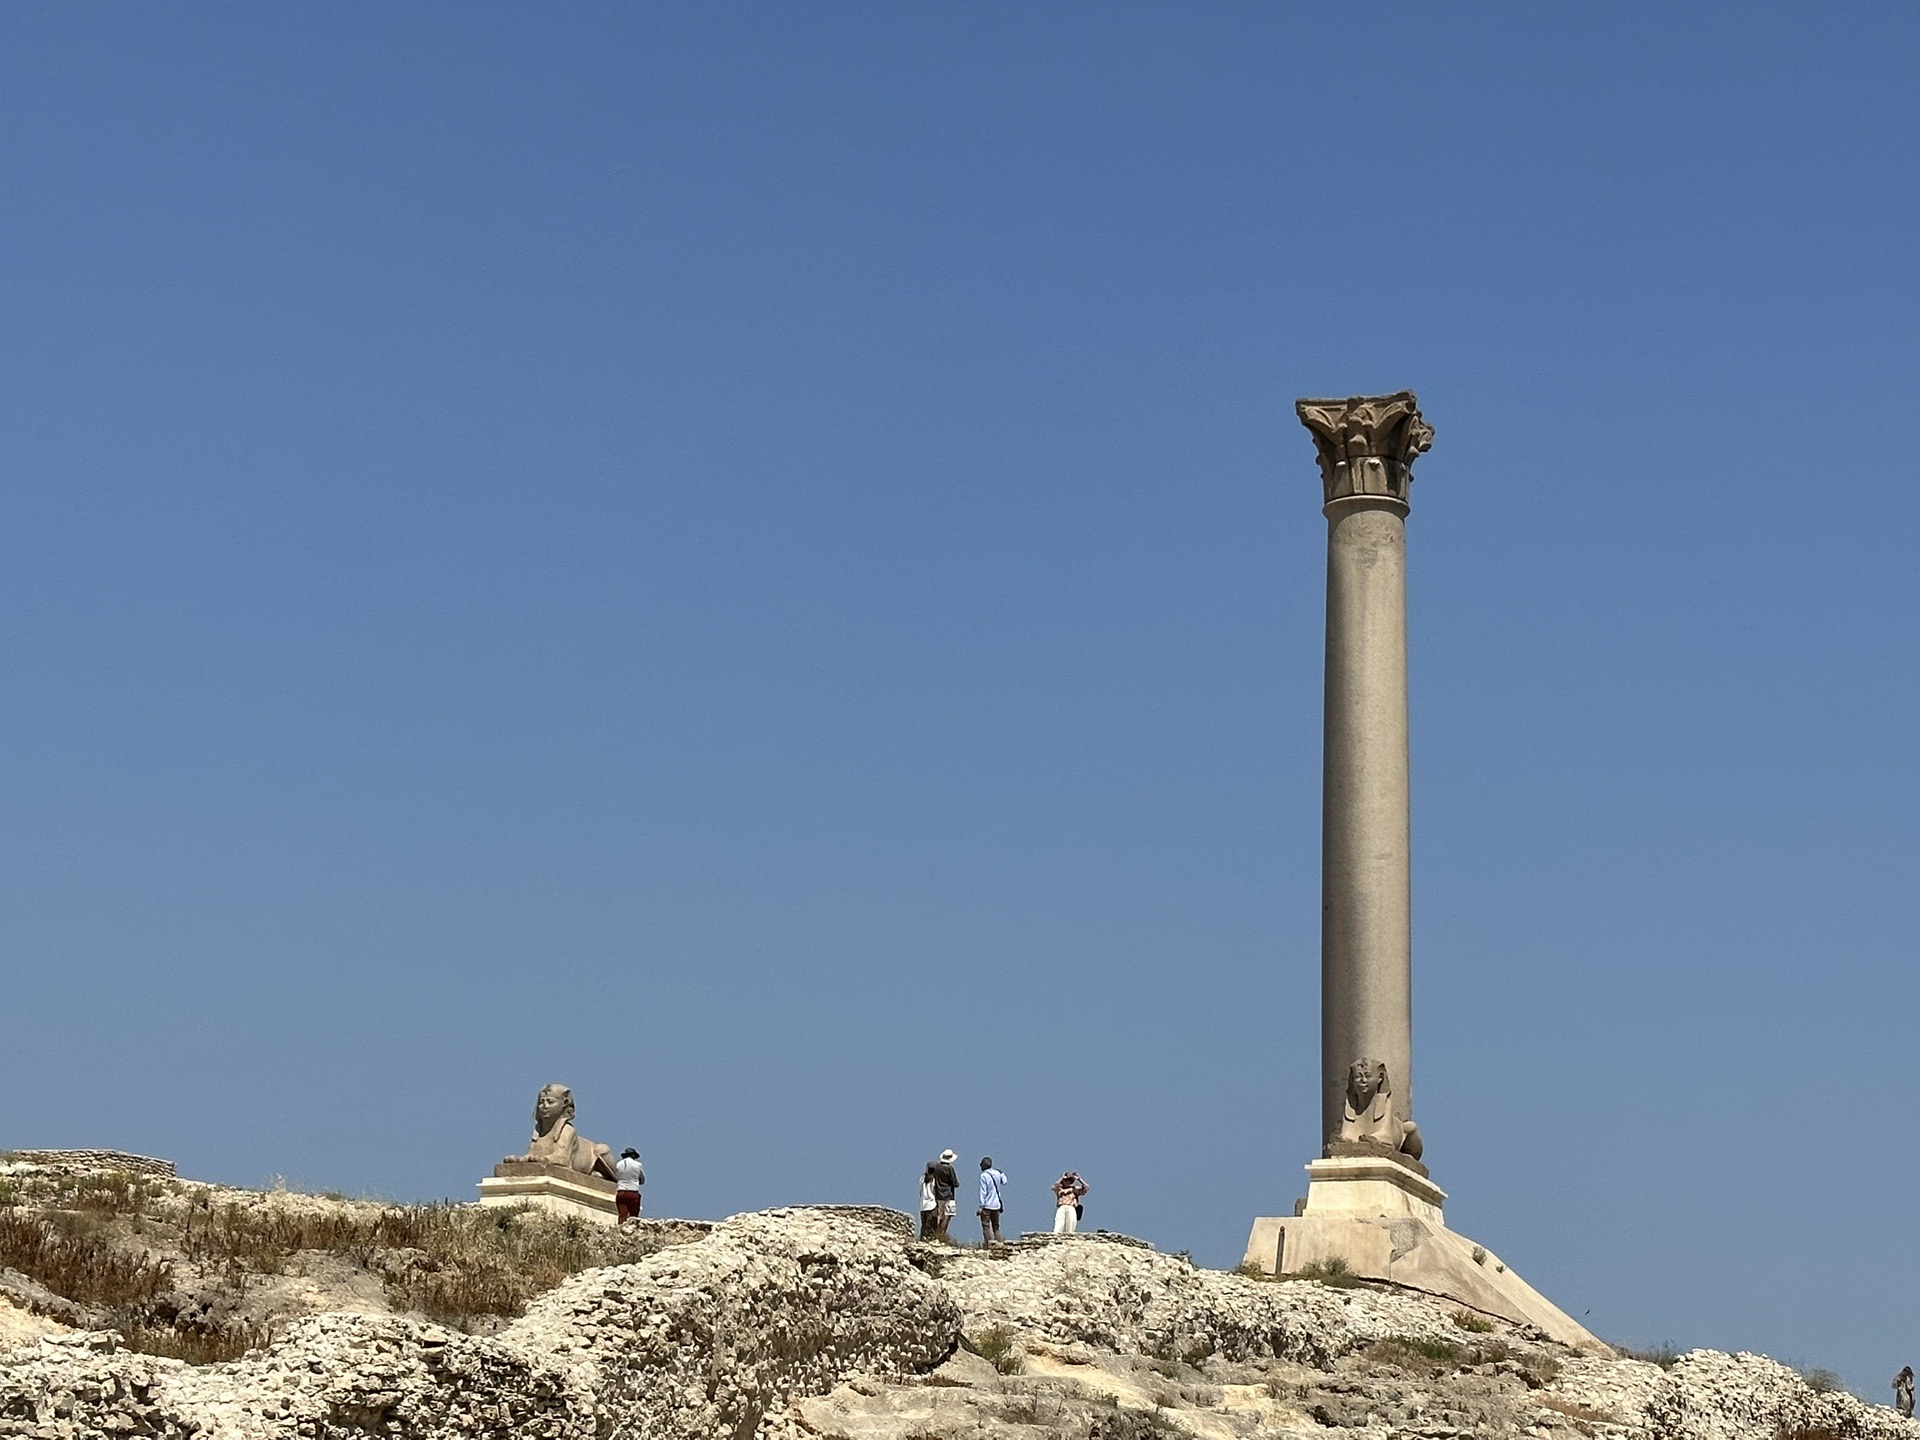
point(145, 1165)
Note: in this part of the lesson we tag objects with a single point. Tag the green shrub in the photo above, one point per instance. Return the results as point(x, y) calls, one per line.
point(999, 1348)
point(1665, 1354)
point(1335, 1273)
point(1422, 1355)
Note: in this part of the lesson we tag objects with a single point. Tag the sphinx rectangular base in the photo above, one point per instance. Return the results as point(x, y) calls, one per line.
point(585, 1198)
point(1384, 1222)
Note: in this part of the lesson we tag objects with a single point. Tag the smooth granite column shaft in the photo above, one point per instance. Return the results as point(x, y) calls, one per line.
point(1366, 925)
point(1366, 446)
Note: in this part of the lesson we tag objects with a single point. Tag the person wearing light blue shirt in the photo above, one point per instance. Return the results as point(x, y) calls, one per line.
point(993, 1186)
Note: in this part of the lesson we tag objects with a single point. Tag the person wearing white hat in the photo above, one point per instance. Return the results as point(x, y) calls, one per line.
point(946, 1187)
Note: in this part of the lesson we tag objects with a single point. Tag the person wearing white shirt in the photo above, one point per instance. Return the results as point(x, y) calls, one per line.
point(1067, 1193)
point(929, 1207)
point(628, 1177)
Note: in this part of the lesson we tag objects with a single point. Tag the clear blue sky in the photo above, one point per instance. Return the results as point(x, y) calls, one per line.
point(759, 562)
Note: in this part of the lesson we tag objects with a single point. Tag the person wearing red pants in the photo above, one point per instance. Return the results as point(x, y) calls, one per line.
point(628, 1177)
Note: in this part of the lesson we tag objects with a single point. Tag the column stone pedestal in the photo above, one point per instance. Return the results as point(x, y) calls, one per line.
point(1387, 1227)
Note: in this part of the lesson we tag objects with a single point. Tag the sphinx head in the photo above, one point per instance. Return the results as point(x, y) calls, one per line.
point(1366, 1079)
point(553, 1104)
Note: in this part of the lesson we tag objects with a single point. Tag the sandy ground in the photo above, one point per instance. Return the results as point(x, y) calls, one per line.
point(23, 1327)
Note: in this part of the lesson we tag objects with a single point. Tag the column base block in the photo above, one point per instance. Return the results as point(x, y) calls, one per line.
point(583, 1197)
point(1369, 1185)
point(1385, 1223)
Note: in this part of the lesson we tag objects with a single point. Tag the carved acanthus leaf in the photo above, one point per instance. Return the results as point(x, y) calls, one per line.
point(1367, 443)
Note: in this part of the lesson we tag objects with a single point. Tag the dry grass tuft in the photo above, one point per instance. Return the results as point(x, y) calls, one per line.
point(199, 1343)
point(79, 1262)
point(454, 1264)
point(1432, 1358)
point(1419, 1356)
point(147, 1257)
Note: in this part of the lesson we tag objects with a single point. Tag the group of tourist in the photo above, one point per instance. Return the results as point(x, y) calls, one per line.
point(557, 1145)
point(940, 1199)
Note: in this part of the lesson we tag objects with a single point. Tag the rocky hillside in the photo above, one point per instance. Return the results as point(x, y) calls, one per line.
point(141, 1305)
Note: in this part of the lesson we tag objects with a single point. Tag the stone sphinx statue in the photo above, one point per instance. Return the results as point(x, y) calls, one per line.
point(1369, 1123)
point(556, 1142)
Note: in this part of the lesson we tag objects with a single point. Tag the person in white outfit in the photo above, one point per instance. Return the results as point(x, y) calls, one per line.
point(929, 1207)
point(1067, 1191)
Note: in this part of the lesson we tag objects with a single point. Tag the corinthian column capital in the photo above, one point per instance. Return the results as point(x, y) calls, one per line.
point(1367, 444)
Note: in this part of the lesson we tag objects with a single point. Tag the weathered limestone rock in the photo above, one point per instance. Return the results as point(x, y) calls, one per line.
point(707, 1339)
point(345, 1374)
point(703, 1339)
point(1119, 1298)
point(331, 1375)
point(1710, 1395)
point(831, 1324)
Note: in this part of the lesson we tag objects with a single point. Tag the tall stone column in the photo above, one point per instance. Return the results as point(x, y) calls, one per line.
point(1366, 446)
point(1370, 1203)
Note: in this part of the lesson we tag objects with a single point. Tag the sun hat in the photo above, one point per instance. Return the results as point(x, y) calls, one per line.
point(947, 1157)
